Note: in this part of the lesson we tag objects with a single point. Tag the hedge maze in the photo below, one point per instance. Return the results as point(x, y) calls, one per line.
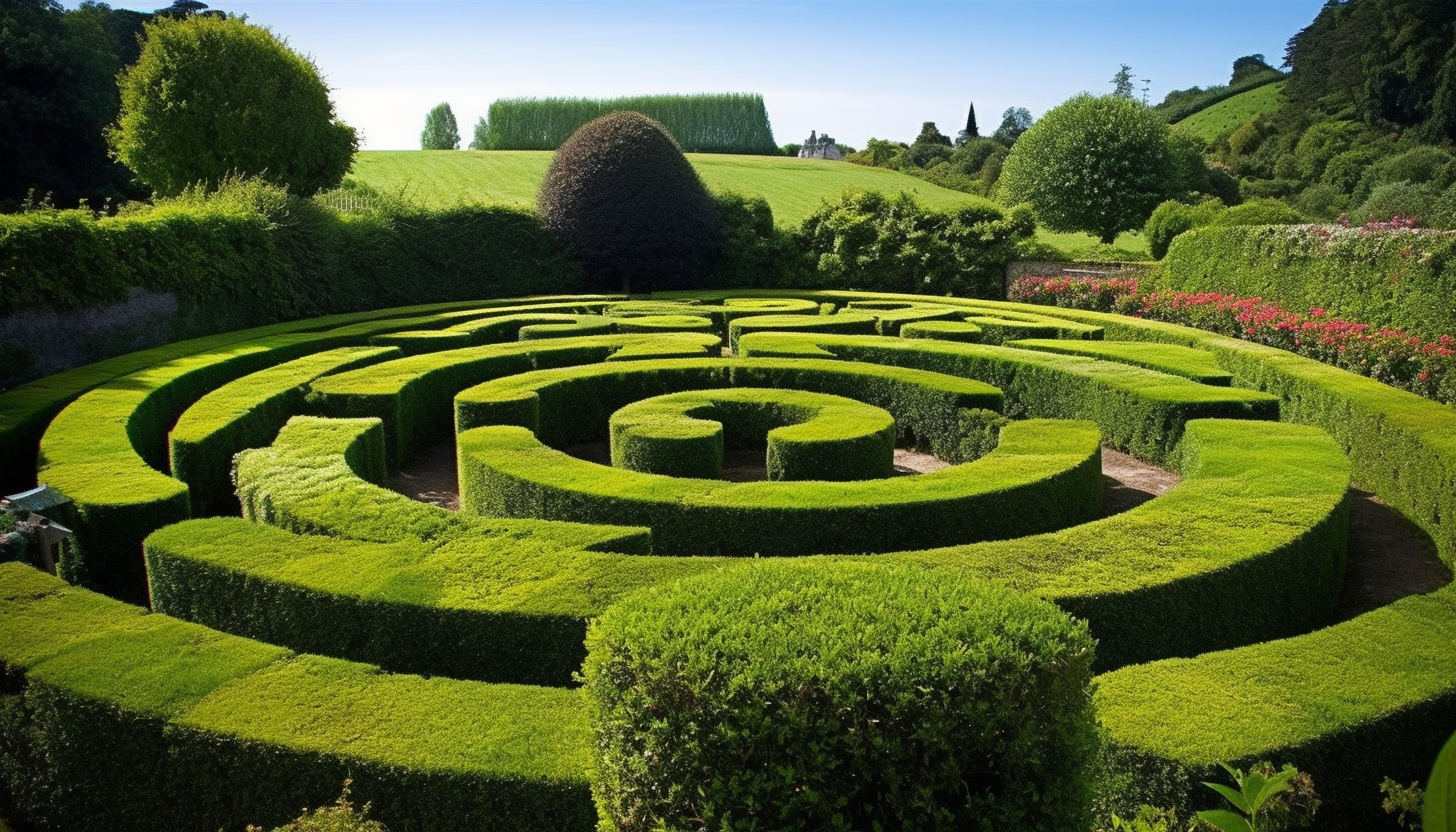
point(308, 624)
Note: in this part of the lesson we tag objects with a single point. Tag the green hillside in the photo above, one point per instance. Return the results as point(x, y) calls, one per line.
point(793, 187)
point(1223, 117)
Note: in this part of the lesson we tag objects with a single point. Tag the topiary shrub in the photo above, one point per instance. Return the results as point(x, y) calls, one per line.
point(1172, 218)
point(793, 695)
point(1259, 212)
point(621, 197)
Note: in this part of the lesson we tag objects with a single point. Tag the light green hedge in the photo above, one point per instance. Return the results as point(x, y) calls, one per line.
point(809, 436)
point(1138, 410)
point(1043, 475)
point(1173, 359)
point(845, 322)
point(127, 720)
point(412, 395)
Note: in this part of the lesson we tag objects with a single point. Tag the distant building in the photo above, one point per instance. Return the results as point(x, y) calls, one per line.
point(820, 147)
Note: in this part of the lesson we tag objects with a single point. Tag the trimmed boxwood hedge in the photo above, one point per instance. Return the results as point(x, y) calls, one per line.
point(1172, 359)
point(810, 436)
point(412, 395)
point(795, 695)
point(1138, 410)
point(845, 322)
point(121, 719)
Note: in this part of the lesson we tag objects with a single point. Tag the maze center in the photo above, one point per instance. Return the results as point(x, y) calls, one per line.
point(309, 623)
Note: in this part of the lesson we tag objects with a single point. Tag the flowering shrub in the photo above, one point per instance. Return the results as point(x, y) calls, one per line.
point(1392, 356)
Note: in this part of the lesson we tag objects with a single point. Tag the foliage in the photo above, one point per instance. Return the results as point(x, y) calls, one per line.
point(1257, 212)
point(1172, 218)
point(1391, 356)
point(622, 199)
point(441, 132)
point(1438, 810)
point(1249, 66)
point(339, 817)
point(756, 254)
point(724, 123)
point(971, 131)
point(1402, 801)
point(1389, 275)
point(1122, 82)
point(1014, 122)
point(1148, 819)
point(211, 98)
point(737, 701)
point(1181, 106)
point(1097, 164)
point(872, 242)
point(1265, 799)
point(58, 93)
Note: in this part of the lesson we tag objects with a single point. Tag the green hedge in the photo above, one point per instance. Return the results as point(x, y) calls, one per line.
point(1138, 410)
point(942, 330)
point(412, 395)
point(247, 413)
point(1043, 475)
point(108, 448)
point(793, 695)
point(1402, 280)
point(845, 323)
point(117, 719)
point(573, 405)
point(1173, 359)
point(1250, 546)
point(810, 436)
point(704, 123)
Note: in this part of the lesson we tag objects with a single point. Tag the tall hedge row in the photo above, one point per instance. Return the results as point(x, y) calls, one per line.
point(1399, 280)
point(724, 123)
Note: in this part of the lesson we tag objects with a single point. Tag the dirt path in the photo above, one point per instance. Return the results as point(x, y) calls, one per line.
point(1389, 557)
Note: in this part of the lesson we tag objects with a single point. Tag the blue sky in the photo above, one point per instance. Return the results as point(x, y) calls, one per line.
point(853, 69)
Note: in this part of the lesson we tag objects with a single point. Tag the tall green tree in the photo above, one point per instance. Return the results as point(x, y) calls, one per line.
point(215, 97)
point(971, 131)
point(441, 132)
point(1122, 82)
point(1093, 163)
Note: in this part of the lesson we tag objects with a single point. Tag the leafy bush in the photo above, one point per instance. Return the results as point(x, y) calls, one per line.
point(793, 695)
point(214, 97)
point(710, 123)
point(873, 242)
point(1258, 212)
point(1172, 218)
point(621, 197)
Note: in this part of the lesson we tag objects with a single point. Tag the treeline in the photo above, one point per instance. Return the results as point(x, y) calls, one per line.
point(711, 123)
point(58, 93)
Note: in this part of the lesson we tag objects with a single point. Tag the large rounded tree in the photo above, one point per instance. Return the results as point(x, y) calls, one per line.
point(1099, 164)
point(622, 198)
point(215, 97)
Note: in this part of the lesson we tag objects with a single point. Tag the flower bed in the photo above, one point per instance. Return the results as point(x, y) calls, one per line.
point(1391, 356)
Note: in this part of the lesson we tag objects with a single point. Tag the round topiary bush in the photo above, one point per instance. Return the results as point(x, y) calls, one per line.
point(622, 198)
point(822, 695)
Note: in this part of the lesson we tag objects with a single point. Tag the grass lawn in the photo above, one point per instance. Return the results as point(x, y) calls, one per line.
point(793, 187)
point(1129, 245)
point(1225, 116)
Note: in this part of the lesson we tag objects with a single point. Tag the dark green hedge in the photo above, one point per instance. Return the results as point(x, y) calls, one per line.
point(1402, 280)
point(834, 696)
point(117, 719)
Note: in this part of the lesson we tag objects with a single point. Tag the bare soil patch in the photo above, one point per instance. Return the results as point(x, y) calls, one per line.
point(1389, 557)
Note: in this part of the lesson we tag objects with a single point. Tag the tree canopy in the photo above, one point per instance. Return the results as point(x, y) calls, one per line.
point(441, 132)
point(214, 97)
point(1093, 163)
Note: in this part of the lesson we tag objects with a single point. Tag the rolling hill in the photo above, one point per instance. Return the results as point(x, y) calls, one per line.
point(1222, 118)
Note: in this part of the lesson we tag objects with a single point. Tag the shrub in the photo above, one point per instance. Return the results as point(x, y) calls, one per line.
point(622, 198)
point(790, 695)
point(1172, 218)
point(1259, 212)
point(213, 97)
point(872, 242)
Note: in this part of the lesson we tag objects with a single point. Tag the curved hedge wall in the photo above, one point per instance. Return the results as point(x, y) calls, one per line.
point(1211, 604)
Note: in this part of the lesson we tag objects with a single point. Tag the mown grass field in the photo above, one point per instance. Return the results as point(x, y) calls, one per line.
point(793, 187)
point(1223, 117)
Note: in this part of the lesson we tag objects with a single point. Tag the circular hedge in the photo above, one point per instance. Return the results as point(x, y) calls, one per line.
point(821, 695)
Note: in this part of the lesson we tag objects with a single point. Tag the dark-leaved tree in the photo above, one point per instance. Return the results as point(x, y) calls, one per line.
point(621, 197)
point(971, 131)
point(1014, 122)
